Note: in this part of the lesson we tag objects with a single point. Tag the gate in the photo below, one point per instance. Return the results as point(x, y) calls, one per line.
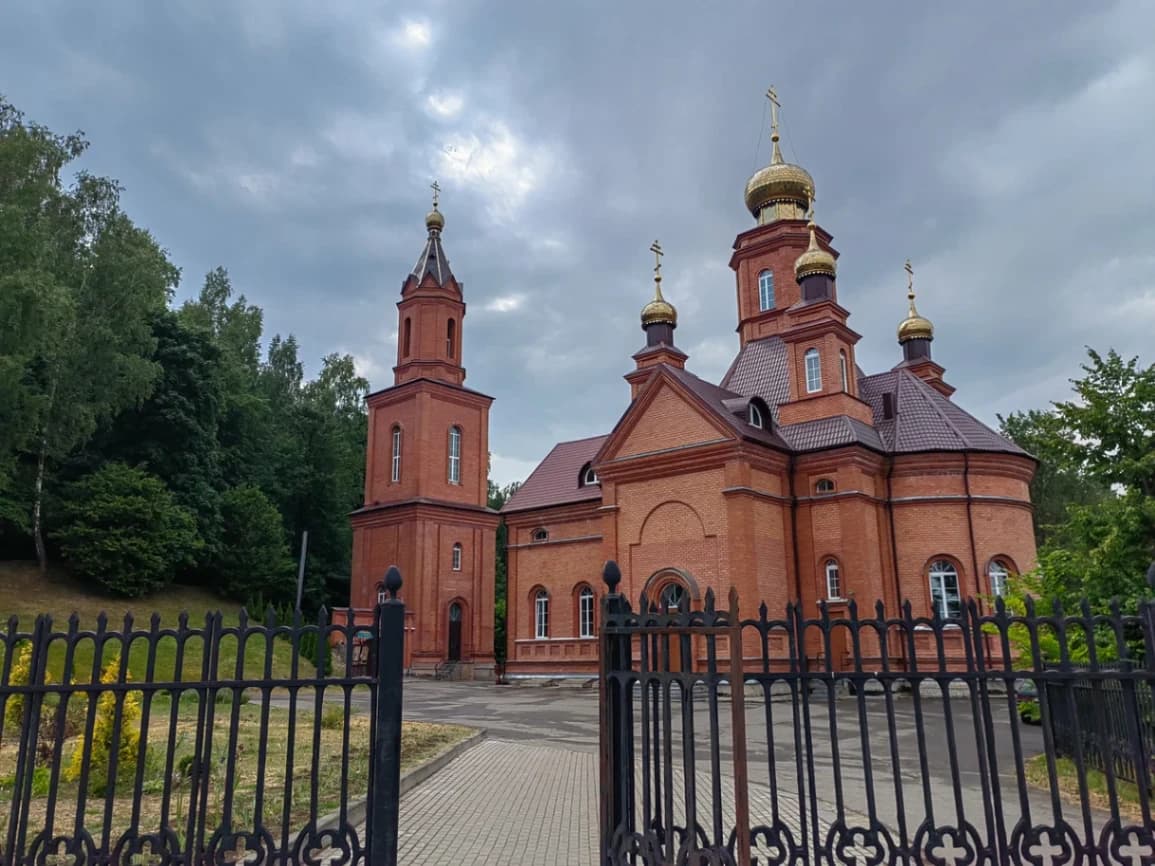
point(872, 739)
point(236, 747)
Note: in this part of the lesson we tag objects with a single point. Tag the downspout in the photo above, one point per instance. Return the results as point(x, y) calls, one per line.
point(794, 533)
point(893, 544)
point(970, 515)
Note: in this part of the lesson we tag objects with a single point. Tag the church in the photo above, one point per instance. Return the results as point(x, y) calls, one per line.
point(796, 477)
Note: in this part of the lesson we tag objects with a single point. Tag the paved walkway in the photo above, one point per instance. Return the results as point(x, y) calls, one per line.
point(506, 803)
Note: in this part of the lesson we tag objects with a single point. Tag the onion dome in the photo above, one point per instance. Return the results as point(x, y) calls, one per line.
point(780, 181)
point(815, 260)
point(434, 220)
point(914, 326)
point(659, 310)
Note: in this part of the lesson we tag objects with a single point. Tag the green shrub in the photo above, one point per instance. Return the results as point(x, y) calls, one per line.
point(333, 718)
point(254, 561)
point(123, 529)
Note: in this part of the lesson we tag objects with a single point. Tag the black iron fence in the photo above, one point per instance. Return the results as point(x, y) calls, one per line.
point(850, 736)
point(232, 742)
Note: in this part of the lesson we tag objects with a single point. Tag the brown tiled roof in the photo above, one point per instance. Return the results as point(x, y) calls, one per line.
point(761, 370)
point(555, 480)
point(924, 419)
point(830, 433)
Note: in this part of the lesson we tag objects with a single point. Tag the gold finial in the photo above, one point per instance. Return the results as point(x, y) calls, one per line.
point(434, 220)
point(659, 309)
point(436, 187)
point(815, 260)
point(656, 249)
point(914, 326)
point(776, 151)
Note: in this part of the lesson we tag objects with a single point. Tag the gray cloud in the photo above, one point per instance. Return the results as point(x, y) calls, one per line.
point(1002, 148)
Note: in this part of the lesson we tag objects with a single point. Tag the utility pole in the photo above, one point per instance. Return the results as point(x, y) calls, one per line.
point(301, 567)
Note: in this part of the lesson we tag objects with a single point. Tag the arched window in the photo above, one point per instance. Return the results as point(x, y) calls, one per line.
point(824, 485)
point(766, 290)
point(998, 572)
point(833, 579)
point(451, 338)
point(586, 612)
point(395, 471)
point(844, 369)
point(813, 371)
point(672, 597)
point(944, 594)
point(457, 556)
point(588, 476)
point(454, 455)
point(380, 593)
point(541, 535)
point(406, 340)
point(541, 614)
point(755, 417)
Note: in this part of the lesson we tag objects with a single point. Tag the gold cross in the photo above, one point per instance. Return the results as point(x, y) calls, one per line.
point(909, 277)
point(146, 857)
point(656, 249)
point(436, 187)
point(241, 854)
point(772, 95)
point(59, 858)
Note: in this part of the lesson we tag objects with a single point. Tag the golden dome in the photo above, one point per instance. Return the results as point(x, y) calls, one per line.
point(779, 181)
point(815, 260)
point(434, 219)
point(659, 310)
point(914, 326)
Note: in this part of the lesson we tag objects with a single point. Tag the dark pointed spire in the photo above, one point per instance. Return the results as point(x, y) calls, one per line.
point(432, 259)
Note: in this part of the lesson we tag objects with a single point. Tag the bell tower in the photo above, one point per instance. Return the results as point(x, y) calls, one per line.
point(426, 480)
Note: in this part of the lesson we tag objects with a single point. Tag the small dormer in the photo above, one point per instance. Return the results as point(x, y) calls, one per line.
point(588, 477)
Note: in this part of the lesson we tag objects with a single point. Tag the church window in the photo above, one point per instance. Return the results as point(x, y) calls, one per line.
point(824, 485)
point(844, 369)
point(944, 592)
point(541, 614)
point(540, 535)
point(673, 597)
point(451, 338)
point(588, 477)
point(813, 371)
point(405, 343)
point(586, 612)
point(766, 290)
point(998, 572)
point(833, 580)
point(395, 471)
point(454, 455)
point(756, 419)
point(457, 557)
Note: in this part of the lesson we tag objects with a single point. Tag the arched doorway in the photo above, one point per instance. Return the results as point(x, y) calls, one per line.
point(454, 653)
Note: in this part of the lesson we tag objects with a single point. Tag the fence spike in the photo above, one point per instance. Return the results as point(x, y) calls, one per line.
point(393, 582)
point(612, 575)
point(710, 600)
point(734, 601)
point(763, 612)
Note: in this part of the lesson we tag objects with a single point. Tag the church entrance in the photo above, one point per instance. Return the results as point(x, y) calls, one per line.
point(454, 654)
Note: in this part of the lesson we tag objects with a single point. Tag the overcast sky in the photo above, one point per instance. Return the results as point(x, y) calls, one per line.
point(1008, 149)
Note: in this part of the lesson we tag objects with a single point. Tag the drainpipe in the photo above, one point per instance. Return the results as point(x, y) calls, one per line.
point(970, 516)
point(794, 533)
point(893, 539)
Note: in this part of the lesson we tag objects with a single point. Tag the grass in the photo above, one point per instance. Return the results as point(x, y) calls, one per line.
point(303, 774)
point(1098, 793)
point(26, 593)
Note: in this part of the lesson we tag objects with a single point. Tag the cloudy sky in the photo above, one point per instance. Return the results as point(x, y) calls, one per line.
point(1005, 148)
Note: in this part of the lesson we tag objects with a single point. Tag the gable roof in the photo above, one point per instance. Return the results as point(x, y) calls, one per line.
point(555, 480)
point(761, 370)
point(729, 406)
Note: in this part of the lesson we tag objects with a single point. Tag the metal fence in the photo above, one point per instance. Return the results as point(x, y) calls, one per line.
point(859, 736)
point(238, 744)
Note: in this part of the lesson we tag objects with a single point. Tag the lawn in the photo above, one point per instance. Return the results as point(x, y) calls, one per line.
point(279, 769)
point(1098, 792)
point(25, 594)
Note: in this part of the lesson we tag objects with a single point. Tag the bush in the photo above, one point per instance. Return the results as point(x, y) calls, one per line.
point(104, 739)
point(254, 560)
point(123, 529)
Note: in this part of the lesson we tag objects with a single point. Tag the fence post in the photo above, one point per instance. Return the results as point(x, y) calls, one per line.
point(616, 717)
point(385, 781)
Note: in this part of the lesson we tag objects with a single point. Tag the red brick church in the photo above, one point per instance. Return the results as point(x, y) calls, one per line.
point(798, 476)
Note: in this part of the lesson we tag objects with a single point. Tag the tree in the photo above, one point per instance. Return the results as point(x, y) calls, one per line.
point(96, 280)
point(123, 529)
point(1057, 484)
point(498, 496)
point(253, 564)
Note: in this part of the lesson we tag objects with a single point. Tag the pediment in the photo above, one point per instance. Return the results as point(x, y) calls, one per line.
point(664, 417)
